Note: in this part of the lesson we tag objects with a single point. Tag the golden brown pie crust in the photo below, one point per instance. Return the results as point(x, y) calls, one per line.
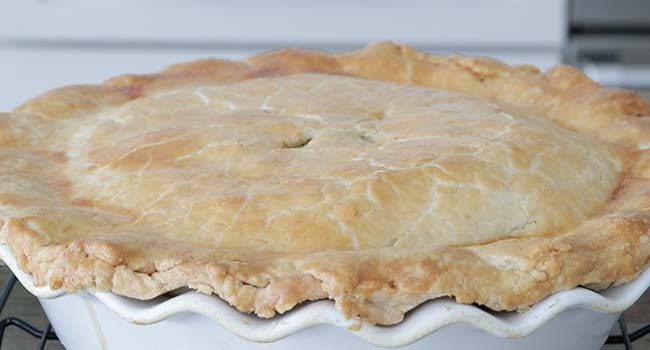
point(236, 178)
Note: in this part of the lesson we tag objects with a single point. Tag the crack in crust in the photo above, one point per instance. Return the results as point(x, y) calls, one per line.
point(604, 240)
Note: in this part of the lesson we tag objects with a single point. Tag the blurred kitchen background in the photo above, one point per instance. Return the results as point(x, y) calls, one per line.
point(50, 43)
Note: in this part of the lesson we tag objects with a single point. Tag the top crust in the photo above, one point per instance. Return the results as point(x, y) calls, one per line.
point(88, 170)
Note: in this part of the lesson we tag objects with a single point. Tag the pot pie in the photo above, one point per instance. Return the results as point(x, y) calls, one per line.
point(379, 178)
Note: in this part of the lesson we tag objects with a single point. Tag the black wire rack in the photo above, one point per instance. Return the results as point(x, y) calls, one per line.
point(44, 335)
point(627, 338)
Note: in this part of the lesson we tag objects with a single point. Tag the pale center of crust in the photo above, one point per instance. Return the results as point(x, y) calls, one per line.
point(313, 162)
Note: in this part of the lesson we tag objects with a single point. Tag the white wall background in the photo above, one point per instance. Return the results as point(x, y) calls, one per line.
point(46, 44)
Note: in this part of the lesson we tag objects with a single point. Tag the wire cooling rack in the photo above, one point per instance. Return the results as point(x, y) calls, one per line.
point(44, 336)
point(48, 334)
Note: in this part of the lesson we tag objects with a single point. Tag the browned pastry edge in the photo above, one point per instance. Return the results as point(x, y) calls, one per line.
point(377, 286)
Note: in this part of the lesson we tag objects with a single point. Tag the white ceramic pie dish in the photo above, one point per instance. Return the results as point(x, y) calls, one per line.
point(572, 319)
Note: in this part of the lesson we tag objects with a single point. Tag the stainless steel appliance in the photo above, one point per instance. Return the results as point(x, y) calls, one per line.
point(610, 41)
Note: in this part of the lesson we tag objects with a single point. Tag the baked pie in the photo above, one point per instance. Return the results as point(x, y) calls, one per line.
point(379, 178)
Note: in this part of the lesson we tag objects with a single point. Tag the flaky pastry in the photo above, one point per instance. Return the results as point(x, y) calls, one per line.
point(380, 178)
